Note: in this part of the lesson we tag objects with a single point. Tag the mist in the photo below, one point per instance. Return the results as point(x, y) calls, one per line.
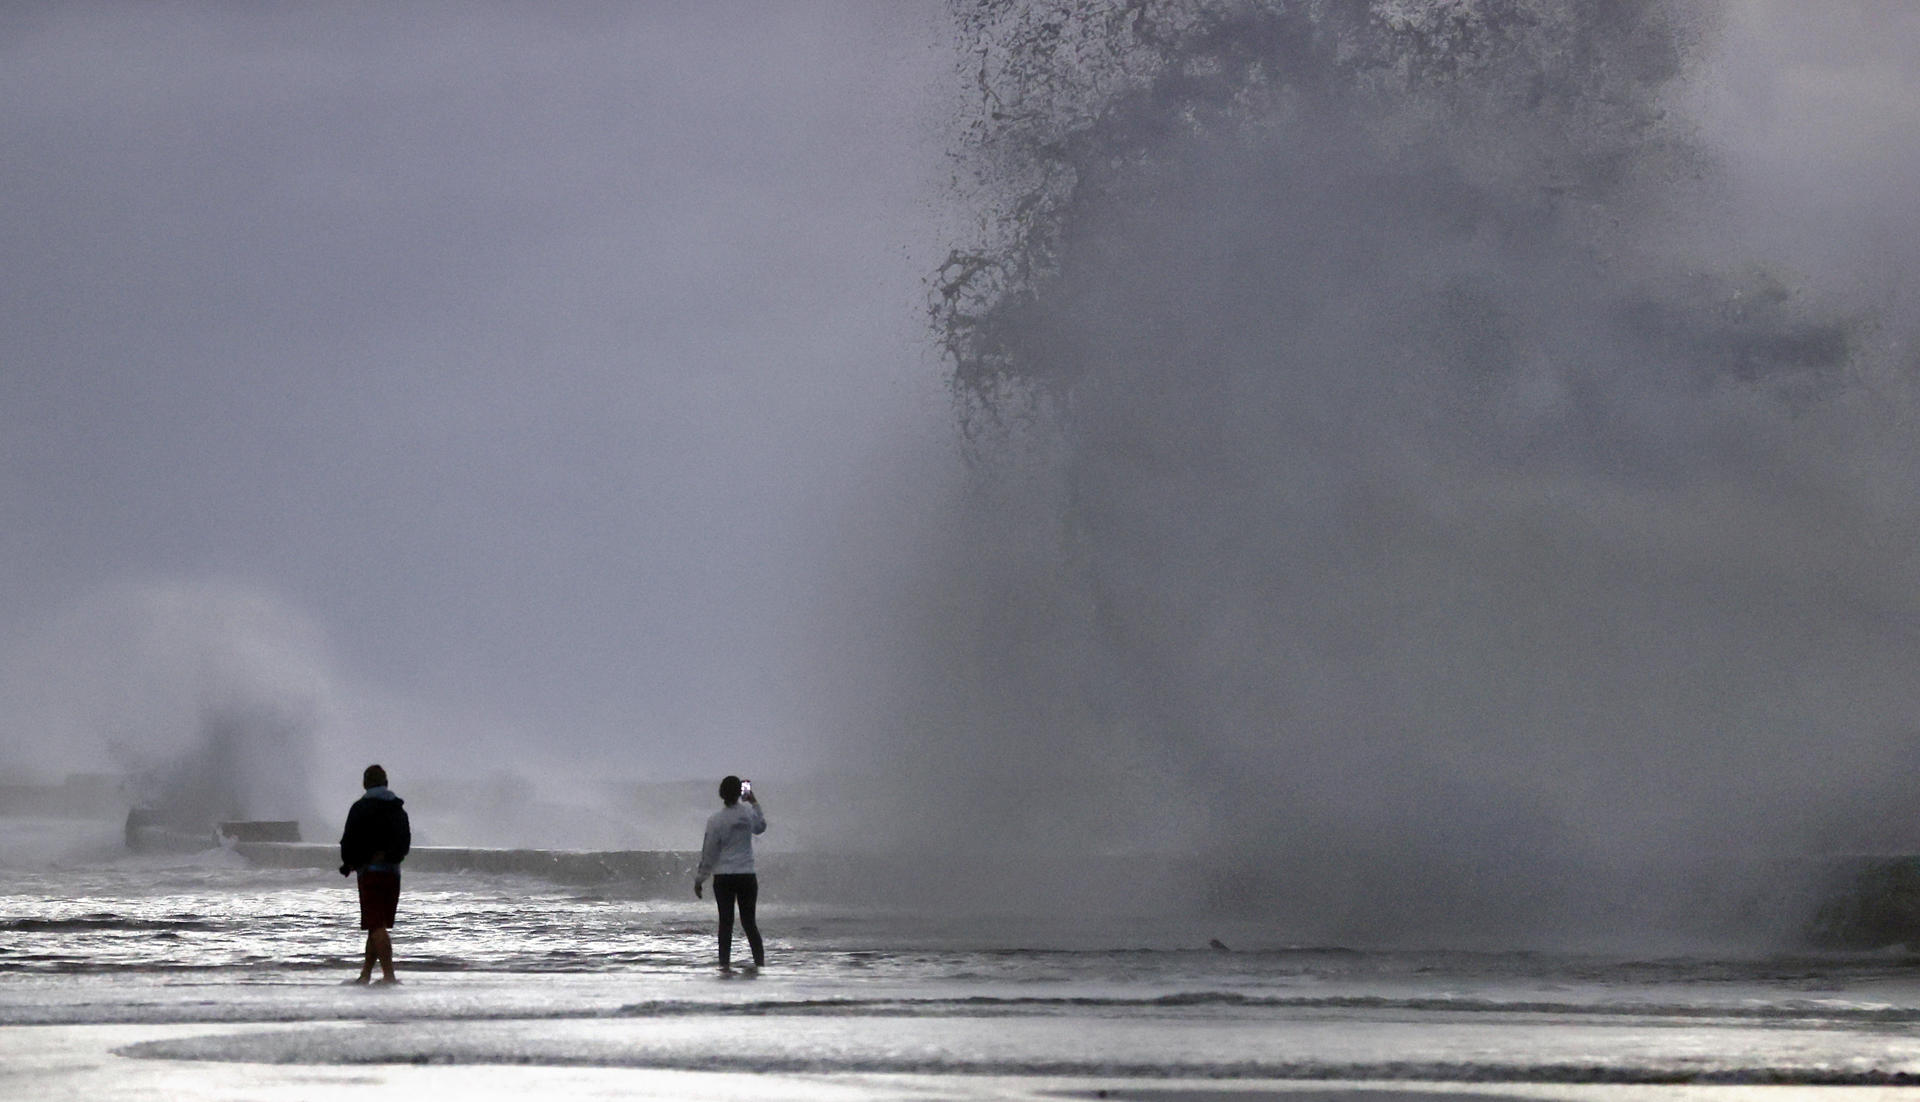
point(1442, 473)
point(204, 699)
point(524, 367)
point(1399, 472)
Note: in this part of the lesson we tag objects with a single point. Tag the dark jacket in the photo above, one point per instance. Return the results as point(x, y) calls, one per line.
point(376, 823)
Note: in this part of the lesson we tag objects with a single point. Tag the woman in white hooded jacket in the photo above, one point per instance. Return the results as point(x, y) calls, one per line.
point(726, 854)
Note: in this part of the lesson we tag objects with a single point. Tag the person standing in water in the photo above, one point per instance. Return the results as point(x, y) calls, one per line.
point(726, 854)
point(374, 843)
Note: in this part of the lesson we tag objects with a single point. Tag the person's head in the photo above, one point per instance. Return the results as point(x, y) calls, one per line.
point(376, 777)
point(730, 790)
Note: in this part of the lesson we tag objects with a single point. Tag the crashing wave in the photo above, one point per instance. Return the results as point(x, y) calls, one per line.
point(1396, 487)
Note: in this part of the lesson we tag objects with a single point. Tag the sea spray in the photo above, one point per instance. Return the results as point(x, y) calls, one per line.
point(1393, 492)
point(207, 697)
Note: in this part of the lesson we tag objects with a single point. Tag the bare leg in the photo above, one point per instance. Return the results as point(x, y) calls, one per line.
point(380, 945)
point(366, 966)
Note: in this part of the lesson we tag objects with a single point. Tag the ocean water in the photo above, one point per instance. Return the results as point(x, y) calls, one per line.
point(243, 967)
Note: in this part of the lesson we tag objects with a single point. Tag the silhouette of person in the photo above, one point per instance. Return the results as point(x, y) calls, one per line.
point(376, 840)
point(726, 854)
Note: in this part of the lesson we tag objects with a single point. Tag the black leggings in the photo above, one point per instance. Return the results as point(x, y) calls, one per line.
point(742, 888)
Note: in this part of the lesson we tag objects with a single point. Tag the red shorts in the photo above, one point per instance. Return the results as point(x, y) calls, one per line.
point(379, 898)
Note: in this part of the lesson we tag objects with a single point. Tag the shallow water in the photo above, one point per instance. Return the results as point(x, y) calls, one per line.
point(514, 970)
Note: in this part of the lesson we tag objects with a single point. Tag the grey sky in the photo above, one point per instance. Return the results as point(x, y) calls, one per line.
point(533, 357)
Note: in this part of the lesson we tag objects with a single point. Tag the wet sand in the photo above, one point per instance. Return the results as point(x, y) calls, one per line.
point(76, 1062)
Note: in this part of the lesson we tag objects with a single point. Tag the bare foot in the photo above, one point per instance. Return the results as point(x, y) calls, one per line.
point(387, 981)
point(355, 981)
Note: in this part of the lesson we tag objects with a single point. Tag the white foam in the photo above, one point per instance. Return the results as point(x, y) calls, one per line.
point(1320, 1046)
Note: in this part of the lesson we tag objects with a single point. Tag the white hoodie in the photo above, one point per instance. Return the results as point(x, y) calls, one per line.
point(728, 847)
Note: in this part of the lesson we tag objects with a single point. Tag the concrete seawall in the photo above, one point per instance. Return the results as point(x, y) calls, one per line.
point(664, 873)
point(560, 866)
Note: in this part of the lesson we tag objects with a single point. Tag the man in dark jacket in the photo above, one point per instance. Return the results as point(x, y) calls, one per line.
point(375, 842)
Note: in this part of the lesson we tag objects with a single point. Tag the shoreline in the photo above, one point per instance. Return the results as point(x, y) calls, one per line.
point(105, 1062)
point(694, 1036)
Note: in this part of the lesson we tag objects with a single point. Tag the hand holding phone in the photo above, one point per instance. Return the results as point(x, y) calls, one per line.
point(746, 790)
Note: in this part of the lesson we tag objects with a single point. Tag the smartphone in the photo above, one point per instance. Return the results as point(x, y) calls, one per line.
point(746, 788)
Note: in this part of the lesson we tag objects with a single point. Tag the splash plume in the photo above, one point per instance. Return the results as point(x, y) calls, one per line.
point(1392, 487)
